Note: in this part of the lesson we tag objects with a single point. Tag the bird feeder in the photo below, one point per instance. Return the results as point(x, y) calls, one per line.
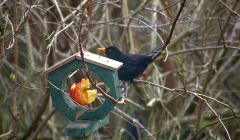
point(84, 119)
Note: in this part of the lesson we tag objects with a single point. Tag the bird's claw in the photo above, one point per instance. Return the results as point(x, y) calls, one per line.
point(124, 88)
point(121, 100)
point(166, 55)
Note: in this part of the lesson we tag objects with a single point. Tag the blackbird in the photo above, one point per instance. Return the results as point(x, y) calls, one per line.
point(133, 64)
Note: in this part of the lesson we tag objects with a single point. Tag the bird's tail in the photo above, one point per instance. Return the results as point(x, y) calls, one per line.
point(156, 50)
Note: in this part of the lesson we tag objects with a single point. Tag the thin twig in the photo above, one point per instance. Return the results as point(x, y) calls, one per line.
point(225, 5)
point(196, 95)
point(34, 123)
point(132, 120)
point(86, 67)
point(42, 124)
point(208, 105)
point(186, 91)
point(14, 108)
point(212, 123)
point(115, 20)
point(210, 48)
point(18, 28)
point(171, 31)
point(31, 88)
point(222, 36)
point(6, 134)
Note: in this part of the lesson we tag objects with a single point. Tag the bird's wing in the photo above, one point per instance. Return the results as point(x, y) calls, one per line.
point(131, 70)
point(136, 58)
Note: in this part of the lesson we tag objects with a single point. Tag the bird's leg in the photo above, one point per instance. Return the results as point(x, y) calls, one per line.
point(124, 91)
point(124, 88)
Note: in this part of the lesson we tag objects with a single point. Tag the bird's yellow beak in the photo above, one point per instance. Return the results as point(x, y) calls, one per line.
point(102, 50)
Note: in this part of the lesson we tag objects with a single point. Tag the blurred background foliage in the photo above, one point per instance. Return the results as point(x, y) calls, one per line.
point(203, 54)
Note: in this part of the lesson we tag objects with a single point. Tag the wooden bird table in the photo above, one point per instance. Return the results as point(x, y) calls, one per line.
point(83, 120)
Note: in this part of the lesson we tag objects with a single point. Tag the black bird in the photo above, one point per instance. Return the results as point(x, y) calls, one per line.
point(133, 64)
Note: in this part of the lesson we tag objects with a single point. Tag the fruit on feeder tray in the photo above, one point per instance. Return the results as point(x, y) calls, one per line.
point(82, 94)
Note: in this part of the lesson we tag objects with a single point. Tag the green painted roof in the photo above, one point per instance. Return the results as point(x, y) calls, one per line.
point(89, 57)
